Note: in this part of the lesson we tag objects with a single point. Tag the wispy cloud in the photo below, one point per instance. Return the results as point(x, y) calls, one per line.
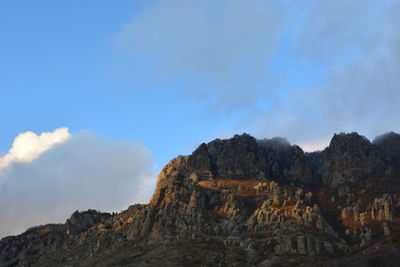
point(83, 172)
point(219, 50)
point(251, 55)
point(361, 42)
point(315, 145)
point(353, 51)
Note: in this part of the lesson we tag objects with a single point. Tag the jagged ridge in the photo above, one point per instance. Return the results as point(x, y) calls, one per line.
point(242, 201)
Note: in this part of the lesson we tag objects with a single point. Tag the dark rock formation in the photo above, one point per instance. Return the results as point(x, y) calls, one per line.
point(243, 157)
point(82, 221)
point(348, 159)
point(243, 202)
point(388, 147)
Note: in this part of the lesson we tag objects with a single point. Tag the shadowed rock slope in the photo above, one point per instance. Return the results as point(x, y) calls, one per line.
point(242, 202)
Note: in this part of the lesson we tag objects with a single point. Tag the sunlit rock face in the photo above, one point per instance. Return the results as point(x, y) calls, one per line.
point(243, 202)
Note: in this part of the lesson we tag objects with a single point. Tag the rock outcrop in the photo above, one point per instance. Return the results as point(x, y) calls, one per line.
point(244, 157)
point(348, 159)
point(242, 202)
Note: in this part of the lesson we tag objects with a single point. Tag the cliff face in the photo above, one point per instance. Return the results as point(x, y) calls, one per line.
point(348, 159)
point(243, 202)
point(244, 158)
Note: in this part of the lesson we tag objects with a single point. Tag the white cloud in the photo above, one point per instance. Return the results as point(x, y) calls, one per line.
point(28, 146)
point(83, 172)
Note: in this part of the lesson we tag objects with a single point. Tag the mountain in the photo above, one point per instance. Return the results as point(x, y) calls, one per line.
point(242, 202)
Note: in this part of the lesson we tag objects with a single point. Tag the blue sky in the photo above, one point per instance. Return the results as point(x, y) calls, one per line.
point(61, 66)
point(58, 70)
point(153, 79)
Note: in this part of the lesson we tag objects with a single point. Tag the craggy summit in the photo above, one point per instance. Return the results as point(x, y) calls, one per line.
point(242, 202)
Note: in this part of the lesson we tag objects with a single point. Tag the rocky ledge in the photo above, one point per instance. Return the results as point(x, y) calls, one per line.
point(243, 202)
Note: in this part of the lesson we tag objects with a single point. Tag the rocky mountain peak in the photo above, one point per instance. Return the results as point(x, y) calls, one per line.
point(242, 202)
point(244, 157)
point(352, 143)
point(349, 158)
